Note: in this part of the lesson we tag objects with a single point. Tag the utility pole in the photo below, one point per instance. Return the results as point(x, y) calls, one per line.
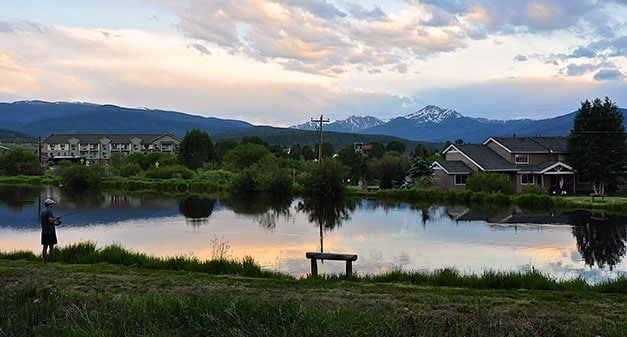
point(320, 121)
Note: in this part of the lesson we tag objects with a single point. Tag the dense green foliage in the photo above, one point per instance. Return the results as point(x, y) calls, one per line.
point(18, 162)
point(244, 155)
point(195, 149)
point(490, 182)
point(324, 180)
point(81, 177)
point(597, 144)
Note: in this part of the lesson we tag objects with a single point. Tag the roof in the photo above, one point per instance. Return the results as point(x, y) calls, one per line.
point(487, 159)
point(95, 138)
point(545, 167)
point(454, 166)
point(531, 144)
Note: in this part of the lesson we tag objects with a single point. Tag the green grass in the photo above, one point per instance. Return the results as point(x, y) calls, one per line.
point(103, 299)
point(86, 253)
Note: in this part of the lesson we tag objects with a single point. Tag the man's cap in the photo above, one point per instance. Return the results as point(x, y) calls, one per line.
point(49, 201)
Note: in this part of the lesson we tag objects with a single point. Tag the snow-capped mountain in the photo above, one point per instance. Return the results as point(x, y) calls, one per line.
point(350, 124)
point(436, 124)
point(433, 114)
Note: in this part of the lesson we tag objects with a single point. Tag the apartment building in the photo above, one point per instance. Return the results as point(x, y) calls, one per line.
point(98, 148)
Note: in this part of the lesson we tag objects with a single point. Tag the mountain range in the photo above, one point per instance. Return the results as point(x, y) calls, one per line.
point(429, 124)
point(436, 124)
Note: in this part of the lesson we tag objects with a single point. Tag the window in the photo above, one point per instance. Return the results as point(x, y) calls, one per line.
point(527, 179)
point(521, 158)
point(460, 179)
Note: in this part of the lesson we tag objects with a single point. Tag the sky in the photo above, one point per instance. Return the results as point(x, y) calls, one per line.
point(282, 63)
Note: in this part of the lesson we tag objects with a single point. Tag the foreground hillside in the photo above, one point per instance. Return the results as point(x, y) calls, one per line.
point(102, 299)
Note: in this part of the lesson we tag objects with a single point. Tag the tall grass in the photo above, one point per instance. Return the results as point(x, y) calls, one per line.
point(86, 253)
point(505, 280)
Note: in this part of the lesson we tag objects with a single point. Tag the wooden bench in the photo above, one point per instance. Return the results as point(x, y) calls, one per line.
point(598, 195)
point(315, 256)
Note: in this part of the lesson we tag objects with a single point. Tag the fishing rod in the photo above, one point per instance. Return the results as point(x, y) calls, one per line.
point(75, 212)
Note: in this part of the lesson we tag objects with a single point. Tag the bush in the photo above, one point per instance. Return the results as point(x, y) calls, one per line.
point(533, 189)
point(490, 183)
point(129, 169)
point(534, 201)
point(244, 184)
point(78, 176)
point(18, 162)
point(169, 172)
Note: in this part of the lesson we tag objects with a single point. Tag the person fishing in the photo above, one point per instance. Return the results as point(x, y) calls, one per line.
point(48, 231)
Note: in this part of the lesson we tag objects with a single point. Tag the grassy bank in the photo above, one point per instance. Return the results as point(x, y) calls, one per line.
point(615, 204)
point(112, 291)
point(111, 300)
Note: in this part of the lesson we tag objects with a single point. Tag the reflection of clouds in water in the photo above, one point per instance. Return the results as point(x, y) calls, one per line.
point(385, 239)
point(402, 259)
point(575, 256)
point(564, 271)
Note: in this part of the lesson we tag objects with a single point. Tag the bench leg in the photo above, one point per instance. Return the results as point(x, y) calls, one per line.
point(314, 267)
point(349, 269)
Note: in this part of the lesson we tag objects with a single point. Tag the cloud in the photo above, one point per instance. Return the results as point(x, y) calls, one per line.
point(317, 37)
point(521, 58)
point(583, 52)
point(201, 48)
point(360, 13)
point(320, 8)
point(320, 36)
point(609, 75)
point(580, 69)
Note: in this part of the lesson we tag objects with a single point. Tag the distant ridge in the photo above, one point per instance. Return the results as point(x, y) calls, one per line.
point(430, 124)
point(39, 118)
point(436, 124)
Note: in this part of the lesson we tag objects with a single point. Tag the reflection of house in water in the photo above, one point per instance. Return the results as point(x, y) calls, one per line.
point(508, 216)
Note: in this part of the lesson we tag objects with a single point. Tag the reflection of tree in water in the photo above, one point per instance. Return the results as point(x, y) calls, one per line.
point(196, 209)
point(265, 210)
point(18, 197)
point(327, 214)
point(82, 198)
point(602, 242)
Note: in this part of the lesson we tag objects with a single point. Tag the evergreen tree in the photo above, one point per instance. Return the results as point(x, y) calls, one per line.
point(195, 149)
point(597, 144)
point(420, 167)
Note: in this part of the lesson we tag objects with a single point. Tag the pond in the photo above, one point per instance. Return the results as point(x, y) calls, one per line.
point(385, 236)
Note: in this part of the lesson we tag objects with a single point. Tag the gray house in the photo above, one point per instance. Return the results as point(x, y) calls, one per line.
point(526, 160)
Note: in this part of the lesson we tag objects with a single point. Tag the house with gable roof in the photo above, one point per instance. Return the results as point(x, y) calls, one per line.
point(525, 160)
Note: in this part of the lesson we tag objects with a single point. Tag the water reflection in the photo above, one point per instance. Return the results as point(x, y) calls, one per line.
point(601, 243)
point(265, 211)
point(386, 235)
point(600, 237)
point(196, 209)
point(17, 197)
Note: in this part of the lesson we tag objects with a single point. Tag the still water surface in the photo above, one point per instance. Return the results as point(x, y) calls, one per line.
point(385, 236)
